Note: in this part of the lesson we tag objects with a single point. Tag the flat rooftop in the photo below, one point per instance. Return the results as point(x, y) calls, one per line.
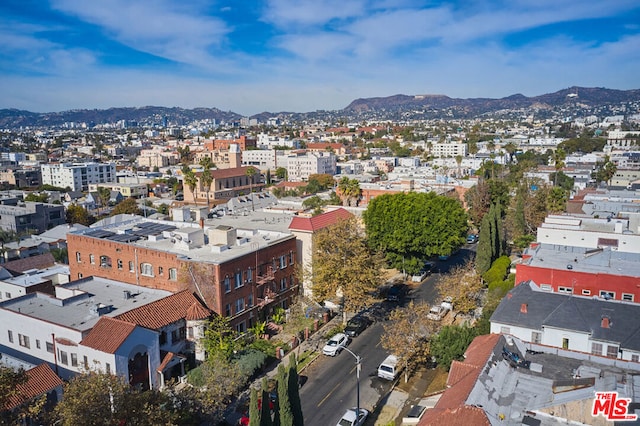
point(189, 241)
point(79, 304)
point(37, 276)
point(582, 259)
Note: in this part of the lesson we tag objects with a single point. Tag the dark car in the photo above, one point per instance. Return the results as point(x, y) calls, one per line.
point(355, 326)
point(396, 292)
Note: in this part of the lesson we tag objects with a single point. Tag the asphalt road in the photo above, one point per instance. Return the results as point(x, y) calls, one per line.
point(330, 383)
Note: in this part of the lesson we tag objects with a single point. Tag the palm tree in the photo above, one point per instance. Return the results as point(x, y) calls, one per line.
point(206, 179)
point(458, 162)
point(251, 172)
point(558, 160)
point(191, 181)
point(349, 190)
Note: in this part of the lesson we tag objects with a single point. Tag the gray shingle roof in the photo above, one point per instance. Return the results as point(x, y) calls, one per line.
point(570, 312)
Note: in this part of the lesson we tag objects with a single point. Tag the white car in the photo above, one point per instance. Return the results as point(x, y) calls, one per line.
point(349, 418)
point(335, 344)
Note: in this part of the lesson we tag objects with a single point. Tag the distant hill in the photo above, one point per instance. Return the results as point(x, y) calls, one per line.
point(148, 115)
point(477, 106)
point(390, 107)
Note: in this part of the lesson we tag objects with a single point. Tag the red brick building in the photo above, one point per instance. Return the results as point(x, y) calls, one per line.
point(240, 274)
point(577, 270)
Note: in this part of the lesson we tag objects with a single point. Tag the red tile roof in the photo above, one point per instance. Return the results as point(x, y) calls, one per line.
point(166, 311)
point(108, 334)
point(450, 408)
point(320, 221)
point(461, 416)
point(41, 379)
point(197, 312)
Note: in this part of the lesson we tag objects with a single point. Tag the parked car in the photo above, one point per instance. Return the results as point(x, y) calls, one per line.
point(389, 369)
point(472, 238)
point(350, 419)
point(396, 292)
point(356, 325)
point(335, 344)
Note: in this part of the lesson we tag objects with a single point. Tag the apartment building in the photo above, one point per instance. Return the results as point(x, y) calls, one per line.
point(301, 165)
point(30, 217)
point(451, 149)
point(226, 184)
point(21, 178)
point(77, 176)
point(242, 274)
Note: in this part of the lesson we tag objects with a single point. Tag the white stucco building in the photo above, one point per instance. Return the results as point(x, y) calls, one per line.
point(77, 176)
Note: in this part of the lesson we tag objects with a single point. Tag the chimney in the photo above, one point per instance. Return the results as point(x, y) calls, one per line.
point(509, 295)
point(523, 308)
point(605, 322)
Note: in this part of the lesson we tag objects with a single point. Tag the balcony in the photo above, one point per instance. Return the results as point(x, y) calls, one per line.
point(268, 276)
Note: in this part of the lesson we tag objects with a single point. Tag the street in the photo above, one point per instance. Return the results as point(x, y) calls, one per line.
point(330, 387)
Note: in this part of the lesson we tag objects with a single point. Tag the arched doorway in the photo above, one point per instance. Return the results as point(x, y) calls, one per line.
point(139, 371)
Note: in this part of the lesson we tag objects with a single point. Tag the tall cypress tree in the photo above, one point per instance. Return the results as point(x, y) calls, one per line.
point(265, 412)
point(294, 391)
point(284, 414)
point(254, 411)
point(483, 252)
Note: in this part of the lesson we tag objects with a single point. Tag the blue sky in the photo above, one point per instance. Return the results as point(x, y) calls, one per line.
point(251, 56)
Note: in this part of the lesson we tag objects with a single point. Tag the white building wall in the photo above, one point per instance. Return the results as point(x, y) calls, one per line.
point(39, 333)
point(11, 291)
point(628, 243)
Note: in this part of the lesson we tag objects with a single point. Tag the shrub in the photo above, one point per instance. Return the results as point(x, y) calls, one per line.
point(265, 346)
point(251, 361)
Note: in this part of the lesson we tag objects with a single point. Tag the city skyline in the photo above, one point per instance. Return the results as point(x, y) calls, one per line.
point(285, 55)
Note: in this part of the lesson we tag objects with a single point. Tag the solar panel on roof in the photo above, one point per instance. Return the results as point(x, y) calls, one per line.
point(100, 233)
point(124, 238)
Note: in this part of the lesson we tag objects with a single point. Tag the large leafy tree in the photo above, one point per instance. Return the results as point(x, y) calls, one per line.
point(413, 226)
point(78, 214)
point(450, 344)
point(219, 338)
point(126, 206)
point(407, 334)
point(342, 262)
point(103, 399)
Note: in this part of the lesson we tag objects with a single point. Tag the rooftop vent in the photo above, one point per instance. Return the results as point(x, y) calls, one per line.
point(605, 323)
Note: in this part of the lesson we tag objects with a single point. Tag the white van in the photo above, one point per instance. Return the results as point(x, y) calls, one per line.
point(388, 369)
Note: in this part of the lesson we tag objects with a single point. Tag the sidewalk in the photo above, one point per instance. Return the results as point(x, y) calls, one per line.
point(314, 344)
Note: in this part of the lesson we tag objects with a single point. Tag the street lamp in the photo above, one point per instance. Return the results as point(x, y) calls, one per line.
point(358, 364)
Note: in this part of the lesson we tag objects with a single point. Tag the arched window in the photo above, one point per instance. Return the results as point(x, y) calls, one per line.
point(146, 269)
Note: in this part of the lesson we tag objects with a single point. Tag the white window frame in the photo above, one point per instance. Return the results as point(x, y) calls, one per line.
point(173, 274)
point(240, 307)
point(536, 337)
point(565, 290)
point(596, 348)
point(546, 287)
point(627, 297)
point(146, 269)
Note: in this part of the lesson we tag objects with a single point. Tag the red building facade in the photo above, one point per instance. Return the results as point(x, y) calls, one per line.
point(246, 287)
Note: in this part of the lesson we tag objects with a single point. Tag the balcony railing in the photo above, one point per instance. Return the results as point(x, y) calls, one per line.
point(268, 276)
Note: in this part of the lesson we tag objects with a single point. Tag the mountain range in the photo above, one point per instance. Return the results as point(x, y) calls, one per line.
point(391, 107)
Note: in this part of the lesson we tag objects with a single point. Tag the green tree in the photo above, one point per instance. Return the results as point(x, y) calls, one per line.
point(61, 255)
point(484, 250)
point(450, 344)
point(342, 262)
point(605, 171)
point(126, 206)
point(313, 202)
point(285, 414)
point(78, 214)
point(281, 173)
point(414, 226)
point(206, 178)
point(9, 382)
point(265, 411)
point(219, 338)
point(38, 198)
point(254, 411)
point(349, 191)
point(104, 195)
point(103, 399)
point(191, 180)
point(558, 162)
point(294, 391)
